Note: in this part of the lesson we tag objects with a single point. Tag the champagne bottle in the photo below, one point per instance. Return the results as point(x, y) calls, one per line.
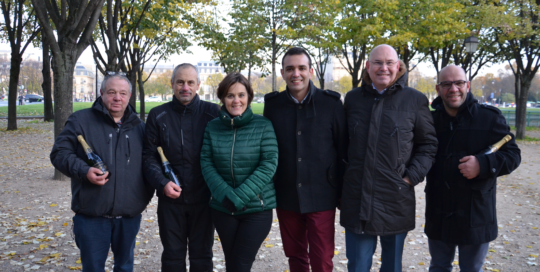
point(493, 148)
point(93, 159)
point(168, 168)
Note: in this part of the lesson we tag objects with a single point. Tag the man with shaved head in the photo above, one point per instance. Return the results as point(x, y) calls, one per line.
point(461, 185)
point(392, 146)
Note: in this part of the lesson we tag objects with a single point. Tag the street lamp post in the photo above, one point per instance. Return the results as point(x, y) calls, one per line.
point(471, 43)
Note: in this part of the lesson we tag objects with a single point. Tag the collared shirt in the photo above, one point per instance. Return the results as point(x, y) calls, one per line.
point(380, 92)
point(296, 100)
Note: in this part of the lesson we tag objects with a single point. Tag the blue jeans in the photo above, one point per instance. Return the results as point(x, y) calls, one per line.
point(95, 235)
point(361, 247)
point(471, 257)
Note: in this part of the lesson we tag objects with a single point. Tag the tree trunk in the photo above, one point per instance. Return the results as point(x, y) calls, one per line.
point(46, 85)
point(274, 57)
point(64, 67)
point(141, 94)
point(13, 88)
point(522, 84)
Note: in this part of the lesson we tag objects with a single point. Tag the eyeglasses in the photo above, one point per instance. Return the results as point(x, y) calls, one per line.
point(379, 64)
point(113, 73)
point(448, 84)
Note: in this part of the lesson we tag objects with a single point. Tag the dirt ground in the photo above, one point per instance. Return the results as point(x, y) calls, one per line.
point(36, 227)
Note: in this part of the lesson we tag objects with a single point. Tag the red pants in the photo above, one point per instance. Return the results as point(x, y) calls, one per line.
point(316, 229)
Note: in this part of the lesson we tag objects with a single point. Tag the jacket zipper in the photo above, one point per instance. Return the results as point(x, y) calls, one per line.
point(110, 147)
point(262, 203)
point(232, 153)
point(129, 149)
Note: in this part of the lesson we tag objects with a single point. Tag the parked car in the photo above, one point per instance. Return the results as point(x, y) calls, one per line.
point(152, 99)
point(33, 98)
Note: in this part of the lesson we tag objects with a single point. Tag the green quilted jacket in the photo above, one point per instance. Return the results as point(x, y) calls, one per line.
point(238, 159)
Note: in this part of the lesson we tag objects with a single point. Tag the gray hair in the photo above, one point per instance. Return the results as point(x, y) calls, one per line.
point(183, 66)
point(108, 77)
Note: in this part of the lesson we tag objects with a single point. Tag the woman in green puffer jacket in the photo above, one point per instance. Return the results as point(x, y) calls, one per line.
point(238, 159)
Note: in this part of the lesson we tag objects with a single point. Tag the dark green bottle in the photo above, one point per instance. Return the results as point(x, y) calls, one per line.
point(93, 159)
point(167, 168)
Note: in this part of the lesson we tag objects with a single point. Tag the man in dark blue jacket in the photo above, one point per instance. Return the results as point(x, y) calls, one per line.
point(461, 185)
point(108, 205)
point(312, 140)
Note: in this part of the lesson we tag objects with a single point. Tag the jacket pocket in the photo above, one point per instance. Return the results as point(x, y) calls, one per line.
point(482, 208)
point(331, 175)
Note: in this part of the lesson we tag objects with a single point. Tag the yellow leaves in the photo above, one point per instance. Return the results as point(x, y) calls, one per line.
point(58, 234)
point(75, 267)
point(534, 227)
point(149, 220)
point(529, 246)
point(492, 250)
point(65, 224)
point(269, 245)
point(53, 205)
point(533, 255)
point(51, 256)
point(421, 263)
point(43, 246)
point(336, 252)
point(137, 243)
point(78, 261)
point(455, 262)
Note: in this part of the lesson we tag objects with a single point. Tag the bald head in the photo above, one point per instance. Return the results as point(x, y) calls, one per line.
point(453, 88)
point(452, 69)
point(383, 66)
point(384, 47)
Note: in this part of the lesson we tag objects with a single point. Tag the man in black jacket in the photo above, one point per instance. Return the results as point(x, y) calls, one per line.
point(392, 146)
point(108, 205)
point(183, 213)
point(461, 185)
point(312, 140)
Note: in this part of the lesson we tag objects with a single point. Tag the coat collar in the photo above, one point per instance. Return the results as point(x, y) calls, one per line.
point(399, 82)
point(189, 108)
point(238, 121)
point(309, 95)
point(465, 109)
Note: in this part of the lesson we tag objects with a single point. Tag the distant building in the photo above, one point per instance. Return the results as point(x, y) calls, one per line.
point(84, 87)
point(335, 69)
point(205, 69)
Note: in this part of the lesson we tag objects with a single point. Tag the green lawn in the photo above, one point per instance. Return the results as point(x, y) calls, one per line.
point(37, 109)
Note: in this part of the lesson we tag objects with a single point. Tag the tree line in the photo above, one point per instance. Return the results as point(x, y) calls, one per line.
point(127, 35)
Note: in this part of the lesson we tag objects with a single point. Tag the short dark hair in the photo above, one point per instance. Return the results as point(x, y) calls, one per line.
point(228, 81)
point(296, 51)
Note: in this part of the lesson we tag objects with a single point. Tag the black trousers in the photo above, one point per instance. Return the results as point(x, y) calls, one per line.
point(241, 237)
point(183, 226)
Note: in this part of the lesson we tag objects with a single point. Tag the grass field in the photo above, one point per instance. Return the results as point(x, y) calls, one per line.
point(37, 109)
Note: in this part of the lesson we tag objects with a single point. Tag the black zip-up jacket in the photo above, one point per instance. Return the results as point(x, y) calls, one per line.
point(459, 210)
point(126, 193)
point(312, 142)
point(179, 130)
point(391, 136)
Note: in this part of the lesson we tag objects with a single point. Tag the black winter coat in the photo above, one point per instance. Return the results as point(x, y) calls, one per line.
point(458, 210)
point(312, 142)
point(126, 193)
point(179, 130)
point(391, 137)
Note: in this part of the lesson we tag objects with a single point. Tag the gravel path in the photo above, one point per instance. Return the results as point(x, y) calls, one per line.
point(36, 227)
